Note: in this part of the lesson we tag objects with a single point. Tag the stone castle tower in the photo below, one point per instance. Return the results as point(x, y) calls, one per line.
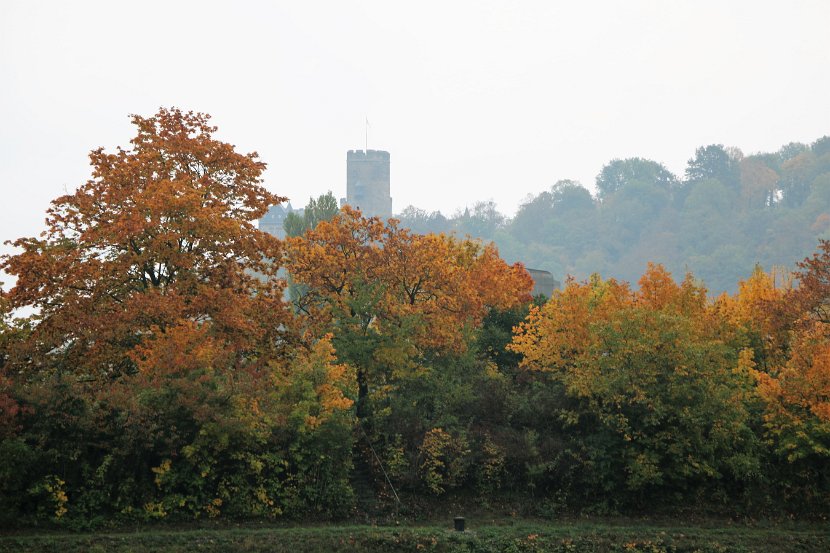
point(367, 182)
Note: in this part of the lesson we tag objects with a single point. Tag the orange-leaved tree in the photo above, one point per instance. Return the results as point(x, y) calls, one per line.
point(161, 233)
point(810, 300)
point(796, 385)
point(389, 295)
point(158, 373)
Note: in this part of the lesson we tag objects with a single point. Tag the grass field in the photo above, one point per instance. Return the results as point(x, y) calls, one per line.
point(481, 537)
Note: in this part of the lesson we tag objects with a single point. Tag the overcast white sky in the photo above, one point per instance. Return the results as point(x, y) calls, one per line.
point(475, 100)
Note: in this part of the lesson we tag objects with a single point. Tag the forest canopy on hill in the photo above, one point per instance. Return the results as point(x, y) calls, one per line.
point(725, 214)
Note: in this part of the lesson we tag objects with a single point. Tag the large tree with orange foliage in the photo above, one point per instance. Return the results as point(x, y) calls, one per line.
point(157, 373)
point(162, 233)
point(390, 295)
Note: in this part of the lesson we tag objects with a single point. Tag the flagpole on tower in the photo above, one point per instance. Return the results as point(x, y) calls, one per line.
point(366, 146)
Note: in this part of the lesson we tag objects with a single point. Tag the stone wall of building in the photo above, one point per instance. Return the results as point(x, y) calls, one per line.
point(272, 221)
point(543, 282)
point(367, 182)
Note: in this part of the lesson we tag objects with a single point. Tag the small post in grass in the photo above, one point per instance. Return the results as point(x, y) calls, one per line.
point(459, 524)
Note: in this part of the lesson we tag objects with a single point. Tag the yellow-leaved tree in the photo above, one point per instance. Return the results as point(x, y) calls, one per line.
point(650, 394)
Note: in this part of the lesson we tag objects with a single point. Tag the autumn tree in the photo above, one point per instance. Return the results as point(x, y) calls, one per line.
point(798, 396)
point(795, 383)
point(162, 233)
point(159, 374)
point(810, 299)
point(651, 398)
point(758, 316)
point(387, 293)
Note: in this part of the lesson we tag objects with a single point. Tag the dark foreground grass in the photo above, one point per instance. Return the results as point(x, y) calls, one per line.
point(492, 537)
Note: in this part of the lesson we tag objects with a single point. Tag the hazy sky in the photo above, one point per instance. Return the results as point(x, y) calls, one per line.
point(475, 100)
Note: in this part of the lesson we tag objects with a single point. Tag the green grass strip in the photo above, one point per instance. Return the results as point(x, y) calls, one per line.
point(518, 537)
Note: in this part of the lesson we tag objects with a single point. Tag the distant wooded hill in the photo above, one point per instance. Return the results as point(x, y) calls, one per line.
point(726, 214)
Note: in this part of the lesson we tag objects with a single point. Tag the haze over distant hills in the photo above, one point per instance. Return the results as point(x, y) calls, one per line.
point(725, 214)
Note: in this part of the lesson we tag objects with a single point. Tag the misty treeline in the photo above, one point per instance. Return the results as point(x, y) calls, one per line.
point(727, 213)
point(166, 373)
